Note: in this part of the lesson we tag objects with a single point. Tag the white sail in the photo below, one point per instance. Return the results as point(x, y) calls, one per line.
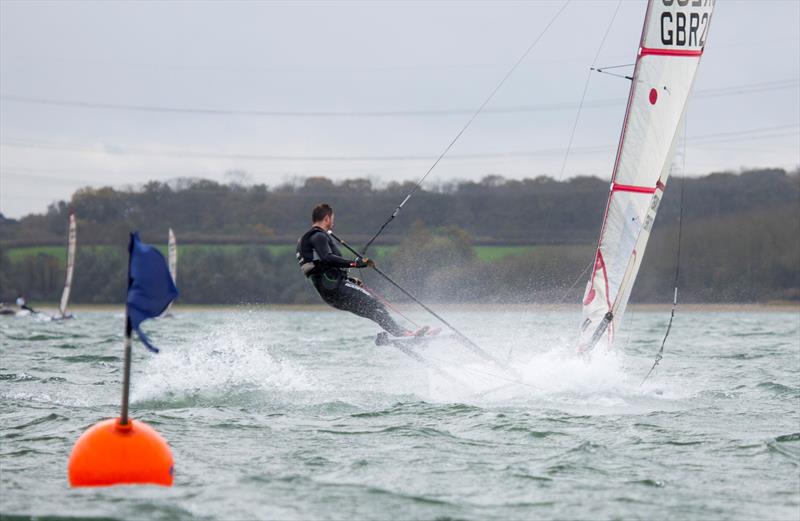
point(172, 251)
point(672, 43)
point(172, 261)
point(72, 238)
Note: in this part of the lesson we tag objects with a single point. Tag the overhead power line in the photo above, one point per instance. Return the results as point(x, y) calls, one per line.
point(723, 137)
point(734, 90)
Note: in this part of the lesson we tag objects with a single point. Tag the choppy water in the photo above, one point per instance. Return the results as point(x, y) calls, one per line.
point(297, 415)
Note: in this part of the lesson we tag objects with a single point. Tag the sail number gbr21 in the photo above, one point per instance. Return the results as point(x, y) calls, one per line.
point(680, 28)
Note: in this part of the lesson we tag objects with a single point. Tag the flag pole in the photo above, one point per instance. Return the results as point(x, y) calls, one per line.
point(126, 372)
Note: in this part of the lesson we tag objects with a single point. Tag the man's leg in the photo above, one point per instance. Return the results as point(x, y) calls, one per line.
point(357, 300)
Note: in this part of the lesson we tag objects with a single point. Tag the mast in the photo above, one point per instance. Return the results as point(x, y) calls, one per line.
point(72, 238)
point(672, 42)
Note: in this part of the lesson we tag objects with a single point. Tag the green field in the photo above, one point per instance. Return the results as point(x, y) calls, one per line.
point(484, 253)
point(17, 254)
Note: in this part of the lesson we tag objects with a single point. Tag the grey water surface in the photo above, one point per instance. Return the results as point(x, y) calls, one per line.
point(282, 414)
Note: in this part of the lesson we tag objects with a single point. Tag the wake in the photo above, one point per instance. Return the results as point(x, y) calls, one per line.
point(606, 381)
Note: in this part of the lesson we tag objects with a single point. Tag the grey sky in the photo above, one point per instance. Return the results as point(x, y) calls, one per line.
point(162, 70)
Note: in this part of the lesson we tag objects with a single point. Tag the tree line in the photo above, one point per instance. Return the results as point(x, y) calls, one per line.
point(740, 238)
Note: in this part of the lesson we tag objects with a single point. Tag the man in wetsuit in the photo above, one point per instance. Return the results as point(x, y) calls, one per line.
point(322, 263)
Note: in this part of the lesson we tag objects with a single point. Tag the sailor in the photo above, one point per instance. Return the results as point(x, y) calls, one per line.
point(22, 303)
point(322, 263)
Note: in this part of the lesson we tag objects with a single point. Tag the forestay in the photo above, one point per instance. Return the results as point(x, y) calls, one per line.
point(72, 237)
point(673, 39)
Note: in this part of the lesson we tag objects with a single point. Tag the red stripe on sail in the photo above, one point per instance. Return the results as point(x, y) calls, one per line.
point(599, 264)
point(605, 276)
point(632, 188)
point(649, 51)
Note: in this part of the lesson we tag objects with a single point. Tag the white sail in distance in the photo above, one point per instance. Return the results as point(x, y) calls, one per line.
point(172, 254)
point(172, 262)
point(72, 240)
point(673, 39)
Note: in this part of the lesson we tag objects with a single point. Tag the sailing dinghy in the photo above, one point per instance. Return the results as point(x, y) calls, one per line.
point(172, 260)
point(72, 239)
point(672, 43)
point(172, 251)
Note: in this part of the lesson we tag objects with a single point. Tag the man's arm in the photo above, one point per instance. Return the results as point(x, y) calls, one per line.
point(320, 243)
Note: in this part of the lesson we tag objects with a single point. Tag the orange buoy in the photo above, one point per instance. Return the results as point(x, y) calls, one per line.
point(110, 453)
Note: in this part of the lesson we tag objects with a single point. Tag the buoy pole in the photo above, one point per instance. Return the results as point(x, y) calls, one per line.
point(126, 372)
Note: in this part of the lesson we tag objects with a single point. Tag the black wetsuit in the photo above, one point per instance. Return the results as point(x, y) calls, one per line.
point(322, 262)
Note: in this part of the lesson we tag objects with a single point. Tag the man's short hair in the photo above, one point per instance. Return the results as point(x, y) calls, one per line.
point(320, 212)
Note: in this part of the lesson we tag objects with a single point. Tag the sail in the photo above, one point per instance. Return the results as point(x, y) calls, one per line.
point(672, 43)
point(172, 262)
point(172, 251)
point(72, 238)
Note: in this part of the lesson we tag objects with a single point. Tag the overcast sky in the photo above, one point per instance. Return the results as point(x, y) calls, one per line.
point(118, 93)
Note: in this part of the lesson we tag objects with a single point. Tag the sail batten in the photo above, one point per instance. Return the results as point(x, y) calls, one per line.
point(672, 42)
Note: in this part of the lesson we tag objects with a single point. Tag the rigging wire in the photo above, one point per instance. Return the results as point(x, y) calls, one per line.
point(464, 128)
point(572, 137)
point(586, 88)
point(604, 71)
point(465, 341)
point(618, 66)
point(382, 298)
point(577, 279)
point(660, 353)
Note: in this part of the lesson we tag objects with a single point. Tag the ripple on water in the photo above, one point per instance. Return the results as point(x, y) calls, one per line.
point(788, 446)
point(743, 356)
point(326, 426)
point(779, 389)
point(38, 421)
point(14, 377)
point(68, 346)
point(513, 427)
point(648, 483)
point(91, 358)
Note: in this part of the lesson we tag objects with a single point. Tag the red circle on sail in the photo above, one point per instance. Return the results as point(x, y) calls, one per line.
point(653, 96)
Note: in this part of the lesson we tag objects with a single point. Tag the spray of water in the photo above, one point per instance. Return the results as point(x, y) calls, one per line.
point(555, 376)
point(235, 358)
point(245, 359)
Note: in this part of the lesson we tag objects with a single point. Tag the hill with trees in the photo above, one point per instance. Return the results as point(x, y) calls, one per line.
point(741, 238)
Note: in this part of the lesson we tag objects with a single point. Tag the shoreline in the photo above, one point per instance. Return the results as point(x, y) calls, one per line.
point(767, 307)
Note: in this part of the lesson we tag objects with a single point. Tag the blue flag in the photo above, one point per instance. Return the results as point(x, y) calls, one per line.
point(150, 286)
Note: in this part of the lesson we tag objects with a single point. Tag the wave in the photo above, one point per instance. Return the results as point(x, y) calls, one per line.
point(779, 389)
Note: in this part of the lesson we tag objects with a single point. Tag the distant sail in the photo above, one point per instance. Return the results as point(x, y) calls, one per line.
point(672, 43)
point(172, 251)
point(172, 262)
point(72, 239)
